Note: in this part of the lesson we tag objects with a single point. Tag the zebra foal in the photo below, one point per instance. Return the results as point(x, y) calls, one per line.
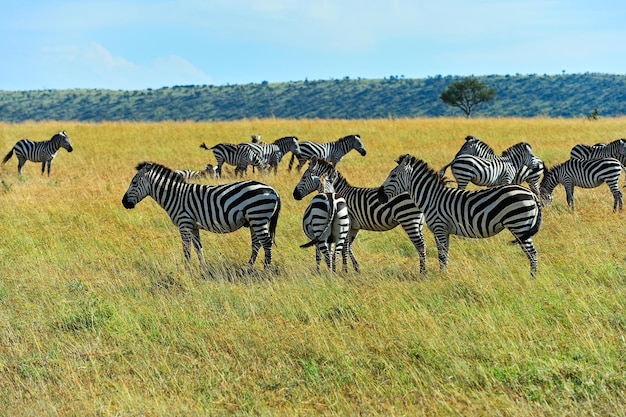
point(332, 152)
point(219, 209)
point(327, 223)
point(272, 153)
point(583, 173)
point(615, 149)
point(240, 156)
point(191, 175)
point(44, 152)
point(476, 214)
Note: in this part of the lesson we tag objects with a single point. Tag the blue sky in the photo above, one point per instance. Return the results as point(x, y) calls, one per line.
point(137, 44)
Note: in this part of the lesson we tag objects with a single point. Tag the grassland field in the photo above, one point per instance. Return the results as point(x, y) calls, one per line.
point(98, 316)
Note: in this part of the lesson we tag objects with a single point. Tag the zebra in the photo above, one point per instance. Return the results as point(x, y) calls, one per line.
point(366, 212)
point(584, 173)
point(472, 146)
point(272, 153)
point(476, 214)
point(333, 152)
point(615, 149)
point(327, 223)
point(517, 163)
point(218, 208)
point(190, 175)
point(239, 156)
point(44, 152)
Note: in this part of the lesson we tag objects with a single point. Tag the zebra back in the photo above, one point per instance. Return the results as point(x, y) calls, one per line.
point(615, 149)
point(472, 146)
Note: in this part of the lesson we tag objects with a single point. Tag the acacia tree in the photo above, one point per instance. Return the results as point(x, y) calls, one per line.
point(467, 93)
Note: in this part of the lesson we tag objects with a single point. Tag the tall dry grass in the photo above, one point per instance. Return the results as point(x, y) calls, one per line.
point(99, 317)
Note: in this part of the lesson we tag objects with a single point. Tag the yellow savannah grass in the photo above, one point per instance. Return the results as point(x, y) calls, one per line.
point(98, 316)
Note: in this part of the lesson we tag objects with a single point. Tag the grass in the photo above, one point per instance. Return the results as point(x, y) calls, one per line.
point(99, 318)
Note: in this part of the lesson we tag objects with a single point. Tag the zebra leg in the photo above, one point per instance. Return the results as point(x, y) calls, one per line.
point(442, 239)
point(197, 245)
point(617, 197)
point(49, 166)
point(186, 236)
point(344, 254)
point(415, 233)
point(569, 195)
point(20, 164)
point(261, 237)
point(318, 257)
point(352, 237)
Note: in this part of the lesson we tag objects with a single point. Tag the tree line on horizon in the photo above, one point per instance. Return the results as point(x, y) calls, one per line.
point(565, 95)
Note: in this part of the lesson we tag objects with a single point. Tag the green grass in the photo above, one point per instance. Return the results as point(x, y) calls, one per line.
point(99, 317)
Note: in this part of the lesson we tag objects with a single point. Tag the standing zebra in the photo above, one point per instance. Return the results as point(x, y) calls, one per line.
point(44, 152)
point(366, 212)
point(472, 146)
point(218, 209)
point(272, 153)
point(615, 149)
point(240, 156)
point(333, 152)
point(496, 170)
point(327, 223)
point(190, 175)
point(476, 214)
point(584, 173)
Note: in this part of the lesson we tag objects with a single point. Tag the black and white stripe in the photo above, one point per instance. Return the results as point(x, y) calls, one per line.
point(366, 212)
point(583, 173)
point(475, 214)
point(615, 149)
point(218, 209)
point(332, 152)
point(272, 153)
point(472, 146)
point(327, 223)
point(517, 164)
point(239, 156)
point(210, 171)
point(44, 152)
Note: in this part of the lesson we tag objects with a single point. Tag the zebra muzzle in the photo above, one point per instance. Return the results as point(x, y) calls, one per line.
point(127, 203)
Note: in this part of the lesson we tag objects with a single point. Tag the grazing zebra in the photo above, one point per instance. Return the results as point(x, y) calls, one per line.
point(327, 223)
point(584, 173)
point(472, 146)
point(333, 152)
point(615, 149)
point(44, 152)
point(209, 171)
point(218, 209)
point(476, 214)
point(272, 153)
point(366, 212)
point(240, 156)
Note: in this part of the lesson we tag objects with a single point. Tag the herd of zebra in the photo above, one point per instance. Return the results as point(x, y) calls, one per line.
point(411, 195)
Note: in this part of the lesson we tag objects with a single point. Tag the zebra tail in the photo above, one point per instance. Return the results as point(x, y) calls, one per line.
point(8, 156)
point(442, 171)
point(532, 231)
point(274, 221)
point(291, 161)
point(318, 238)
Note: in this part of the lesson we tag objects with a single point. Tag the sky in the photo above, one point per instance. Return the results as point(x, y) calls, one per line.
point(139, 44)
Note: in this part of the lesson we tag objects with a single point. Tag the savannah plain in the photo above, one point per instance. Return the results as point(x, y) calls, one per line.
point(98, 316)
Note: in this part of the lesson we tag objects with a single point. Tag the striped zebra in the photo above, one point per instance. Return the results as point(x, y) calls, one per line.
point(333, 152)
point(615, 149)
point(517, 163)
point(584, 173)
point(240, 156)
point(219, 209)
point(327, 223)
point(472, 146)
point(210, 171)
point(366, 212)
point(44, 152)
point(476, 214)
point(272, 153)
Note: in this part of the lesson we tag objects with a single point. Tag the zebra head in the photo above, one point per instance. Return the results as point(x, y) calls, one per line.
point(293, 146)
point(308, 184)
point(139, 186)
point(622, 146)
point(63, 140)
point(548, 184)
point(357, 144)
point(398, 180)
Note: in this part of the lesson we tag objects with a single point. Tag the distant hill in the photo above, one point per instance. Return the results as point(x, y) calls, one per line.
point(567, 95)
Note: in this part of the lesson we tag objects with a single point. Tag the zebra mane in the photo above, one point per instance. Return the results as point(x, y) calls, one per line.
point(349, 137)
point(160, 169)
point(511, 149)
point(418, 164)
